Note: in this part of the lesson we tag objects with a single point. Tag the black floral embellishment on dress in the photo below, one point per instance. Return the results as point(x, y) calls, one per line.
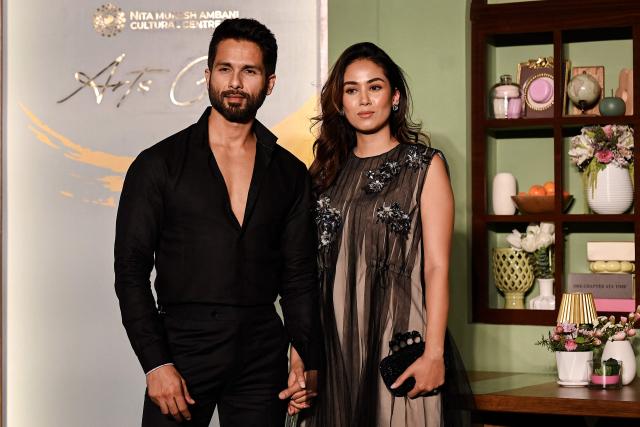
point(328, 219)
point(416, 158)
point(393, 215)
point(380, 177)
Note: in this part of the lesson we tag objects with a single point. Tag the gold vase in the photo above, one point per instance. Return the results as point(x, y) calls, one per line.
point(513, 274)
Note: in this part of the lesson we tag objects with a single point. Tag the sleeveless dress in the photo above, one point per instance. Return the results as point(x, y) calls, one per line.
point(372, 286)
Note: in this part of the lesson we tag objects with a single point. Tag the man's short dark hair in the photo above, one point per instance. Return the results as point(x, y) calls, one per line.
point(250, 30)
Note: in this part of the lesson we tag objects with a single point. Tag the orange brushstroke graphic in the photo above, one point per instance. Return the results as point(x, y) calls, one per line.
point(118, 164)
point(293, 134)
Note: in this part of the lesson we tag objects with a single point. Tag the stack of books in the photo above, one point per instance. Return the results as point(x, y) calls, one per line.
point(612, 282)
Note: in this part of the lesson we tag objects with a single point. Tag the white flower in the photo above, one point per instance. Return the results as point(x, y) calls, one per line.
point(543, 240)
point(533, 229)
point(529, 242)
point(514, 239)
point(547, 227)
point(581, 149)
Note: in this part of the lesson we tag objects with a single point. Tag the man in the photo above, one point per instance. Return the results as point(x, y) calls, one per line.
point(223, 213)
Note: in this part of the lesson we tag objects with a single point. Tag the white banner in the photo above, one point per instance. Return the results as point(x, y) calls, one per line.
point(88, 86)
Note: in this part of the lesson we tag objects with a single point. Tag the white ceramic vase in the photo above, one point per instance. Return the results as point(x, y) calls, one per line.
point(546, 300)
point(573, 367)
point(622, 350)
point(504, 186)
point(613, 192)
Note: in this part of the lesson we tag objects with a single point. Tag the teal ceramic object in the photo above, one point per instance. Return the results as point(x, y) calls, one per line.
point(612, 106)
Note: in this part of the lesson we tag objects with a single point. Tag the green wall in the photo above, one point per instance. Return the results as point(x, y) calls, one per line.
point(430, 40)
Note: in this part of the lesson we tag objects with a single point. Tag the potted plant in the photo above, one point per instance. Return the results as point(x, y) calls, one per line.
point(537, 242)
point(606, 374)
point(617, 336)
point(573, 346)
point(605, 153)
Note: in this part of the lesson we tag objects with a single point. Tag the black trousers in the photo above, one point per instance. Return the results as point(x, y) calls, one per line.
point(231, 357)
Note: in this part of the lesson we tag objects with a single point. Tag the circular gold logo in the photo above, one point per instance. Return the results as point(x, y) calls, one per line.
point(109, 20)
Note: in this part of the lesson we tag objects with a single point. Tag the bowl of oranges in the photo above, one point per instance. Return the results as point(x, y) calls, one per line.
point(540, 199)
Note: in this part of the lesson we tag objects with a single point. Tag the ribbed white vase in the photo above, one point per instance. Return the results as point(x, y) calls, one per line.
point(613, 193)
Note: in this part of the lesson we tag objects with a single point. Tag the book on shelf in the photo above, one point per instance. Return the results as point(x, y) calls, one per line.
point(603, 285)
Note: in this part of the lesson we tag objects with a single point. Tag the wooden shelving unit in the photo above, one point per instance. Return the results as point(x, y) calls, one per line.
point(553, 23)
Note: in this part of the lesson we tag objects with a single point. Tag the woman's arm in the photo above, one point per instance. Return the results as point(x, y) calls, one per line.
point(436, 215)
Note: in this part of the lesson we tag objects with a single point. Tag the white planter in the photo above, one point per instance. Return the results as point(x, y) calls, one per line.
point(622, 350)
point(573, 367)
point(613, 193)
point(546, 300)
point(504, 186)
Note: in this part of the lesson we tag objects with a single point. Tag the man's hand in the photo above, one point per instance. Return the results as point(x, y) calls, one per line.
point(302, 386)
point(168, 390)
point(303, 398)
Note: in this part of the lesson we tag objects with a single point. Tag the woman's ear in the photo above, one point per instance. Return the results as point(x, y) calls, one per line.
point(395, 99)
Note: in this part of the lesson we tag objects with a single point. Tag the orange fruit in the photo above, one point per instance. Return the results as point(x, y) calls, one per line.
point(550, 188)
point(537, 190)
point(522, 193)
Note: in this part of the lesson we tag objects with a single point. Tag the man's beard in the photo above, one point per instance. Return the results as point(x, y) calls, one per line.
point(234, 112)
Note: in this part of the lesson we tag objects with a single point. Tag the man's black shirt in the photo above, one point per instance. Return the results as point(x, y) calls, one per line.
point(175, 213)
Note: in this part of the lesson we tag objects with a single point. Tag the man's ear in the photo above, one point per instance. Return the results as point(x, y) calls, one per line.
point(271, 82)
point(207, 75)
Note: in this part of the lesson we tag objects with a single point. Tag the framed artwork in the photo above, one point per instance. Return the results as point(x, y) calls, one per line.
point(596, 71)
point(536, 80)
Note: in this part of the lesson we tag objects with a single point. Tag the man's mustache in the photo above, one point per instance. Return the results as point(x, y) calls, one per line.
point(234, 93)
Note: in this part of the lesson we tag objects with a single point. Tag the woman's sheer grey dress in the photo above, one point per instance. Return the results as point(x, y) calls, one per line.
point(372, 286)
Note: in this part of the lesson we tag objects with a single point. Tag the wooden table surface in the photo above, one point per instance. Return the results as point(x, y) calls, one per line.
point(539, 394)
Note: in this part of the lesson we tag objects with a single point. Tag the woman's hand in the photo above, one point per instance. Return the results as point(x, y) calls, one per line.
point(302, 385)
point(428, 372)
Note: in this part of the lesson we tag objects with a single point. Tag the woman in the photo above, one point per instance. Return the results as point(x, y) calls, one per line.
point(385, 220)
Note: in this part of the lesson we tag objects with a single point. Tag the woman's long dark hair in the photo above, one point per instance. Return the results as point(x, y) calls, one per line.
point(337, 136)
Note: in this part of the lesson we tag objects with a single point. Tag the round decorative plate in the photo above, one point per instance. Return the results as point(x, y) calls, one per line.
point(538, 92)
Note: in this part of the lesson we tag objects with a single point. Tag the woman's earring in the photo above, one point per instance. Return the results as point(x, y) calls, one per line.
point(341, 112)
point(395, 107)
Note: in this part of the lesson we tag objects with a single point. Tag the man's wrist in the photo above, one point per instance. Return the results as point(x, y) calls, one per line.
point(158, 367)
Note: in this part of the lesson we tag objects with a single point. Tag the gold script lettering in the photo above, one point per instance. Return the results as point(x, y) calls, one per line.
point(172, 92)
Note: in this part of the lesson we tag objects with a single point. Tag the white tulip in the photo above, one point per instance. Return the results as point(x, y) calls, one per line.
point(514, 239)
point(547, 227)
point(533, 229)
point(529, 243)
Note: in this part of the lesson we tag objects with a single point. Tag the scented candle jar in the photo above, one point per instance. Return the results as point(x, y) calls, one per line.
point(505, 99)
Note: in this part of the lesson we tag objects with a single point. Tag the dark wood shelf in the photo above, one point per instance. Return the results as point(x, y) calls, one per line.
point(519, 24)
point(528, 394)
point(562, 218)
point(506, 316)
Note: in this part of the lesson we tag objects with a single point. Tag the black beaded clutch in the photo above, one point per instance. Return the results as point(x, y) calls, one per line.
point(404, 349)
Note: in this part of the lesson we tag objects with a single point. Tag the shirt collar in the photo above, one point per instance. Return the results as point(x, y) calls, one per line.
point(264, 136)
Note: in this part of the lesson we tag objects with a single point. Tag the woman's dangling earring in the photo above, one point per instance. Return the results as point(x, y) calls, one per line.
point(341, 112)
point(395, 107)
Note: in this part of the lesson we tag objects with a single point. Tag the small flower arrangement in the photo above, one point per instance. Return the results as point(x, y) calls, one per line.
point(607, 328)
point(536, 241)
point(599, 146)
point(571, 337)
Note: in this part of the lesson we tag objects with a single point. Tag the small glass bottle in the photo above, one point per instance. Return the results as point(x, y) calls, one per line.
point(505, 99)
